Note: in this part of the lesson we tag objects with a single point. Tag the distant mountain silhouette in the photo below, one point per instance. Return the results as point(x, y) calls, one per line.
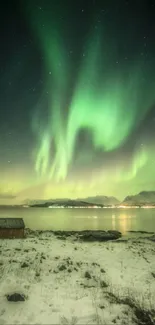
point(65, 203)
point(100, 199)
point(94, 200)
point(143, 198)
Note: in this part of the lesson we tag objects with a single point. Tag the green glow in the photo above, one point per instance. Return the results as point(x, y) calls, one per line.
point(110, 107)
point(51, 134)
point(140, 159)
point(111, 114)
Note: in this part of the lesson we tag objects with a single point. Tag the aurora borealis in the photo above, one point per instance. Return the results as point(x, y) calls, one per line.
point(77, 99)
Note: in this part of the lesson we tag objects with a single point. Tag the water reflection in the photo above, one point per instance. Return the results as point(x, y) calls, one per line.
point(125, 222)
point(113, 222)
point(82, 219)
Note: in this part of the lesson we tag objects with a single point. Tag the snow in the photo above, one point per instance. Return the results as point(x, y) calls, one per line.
point(67, 297)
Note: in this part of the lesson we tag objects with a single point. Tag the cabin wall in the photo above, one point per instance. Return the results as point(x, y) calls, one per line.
point(11, 233)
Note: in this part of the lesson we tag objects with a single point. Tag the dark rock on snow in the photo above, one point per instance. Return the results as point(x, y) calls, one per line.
point(15, 297)
point(87, 275)
point(90, 235)
point(103, 284)
point(100, 235)
point(152, 238)
point(62, 267)
point(141, 232)
point(85, 235)
point(24, 265)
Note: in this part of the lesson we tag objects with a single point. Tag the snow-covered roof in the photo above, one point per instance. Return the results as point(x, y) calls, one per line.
point(12, 223)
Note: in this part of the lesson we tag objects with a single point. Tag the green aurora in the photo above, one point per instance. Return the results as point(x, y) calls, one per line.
point(106, 102)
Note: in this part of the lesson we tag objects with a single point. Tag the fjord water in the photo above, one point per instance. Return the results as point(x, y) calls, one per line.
point(84, 219)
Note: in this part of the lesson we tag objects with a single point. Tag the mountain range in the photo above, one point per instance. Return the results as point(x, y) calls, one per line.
point(142, 198)
point(65, 203)
point(88, 201)
point(105, 200)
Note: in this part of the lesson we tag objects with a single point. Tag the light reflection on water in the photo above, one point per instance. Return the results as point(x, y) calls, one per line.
point(84, 219)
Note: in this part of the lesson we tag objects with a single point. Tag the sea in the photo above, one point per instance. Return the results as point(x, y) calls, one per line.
point(121, 219)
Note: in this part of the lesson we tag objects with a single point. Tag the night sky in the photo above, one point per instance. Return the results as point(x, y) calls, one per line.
point(77, 98)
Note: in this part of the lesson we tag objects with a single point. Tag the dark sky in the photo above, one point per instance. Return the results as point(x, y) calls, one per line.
point(77, 98)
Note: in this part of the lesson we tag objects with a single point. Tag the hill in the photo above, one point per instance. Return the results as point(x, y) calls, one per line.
point(92, 200)
point(143, 198)
point(65, 203)
point(105, 200)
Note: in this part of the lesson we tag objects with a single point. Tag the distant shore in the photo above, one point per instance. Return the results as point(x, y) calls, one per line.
point(81, 207)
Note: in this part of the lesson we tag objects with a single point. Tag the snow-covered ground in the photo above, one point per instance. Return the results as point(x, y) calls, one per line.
point(70, 282)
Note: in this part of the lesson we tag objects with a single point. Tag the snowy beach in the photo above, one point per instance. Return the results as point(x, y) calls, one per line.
point(67, 281)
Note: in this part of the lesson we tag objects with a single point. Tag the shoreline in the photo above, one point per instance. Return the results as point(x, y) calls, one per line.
point(83, 235)
point(74, 281)
point(94, 235)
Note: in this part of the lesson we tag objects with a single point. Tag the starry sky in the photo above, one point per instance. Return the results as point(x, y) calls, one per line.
point(77, 98)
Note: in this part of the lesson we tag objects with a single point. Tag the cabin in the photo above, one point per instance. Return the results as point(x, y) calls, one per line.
point(12, 228)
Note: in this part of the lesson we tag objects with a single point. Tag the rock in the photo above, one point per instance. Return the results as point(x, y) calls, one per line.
point(68, 261)
point(43, 257)
point(88, 286)
point(57, 257)
point(100, 235)
point(37, 274)
point(79, 264)
point(115, 232)
point(24, 265)
point(88, 235)
point(95, 264)
point(87, 275)
point(103, 284)
point(62, 267)
point(152, 238)
point(15, 297)
point(141, 232)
